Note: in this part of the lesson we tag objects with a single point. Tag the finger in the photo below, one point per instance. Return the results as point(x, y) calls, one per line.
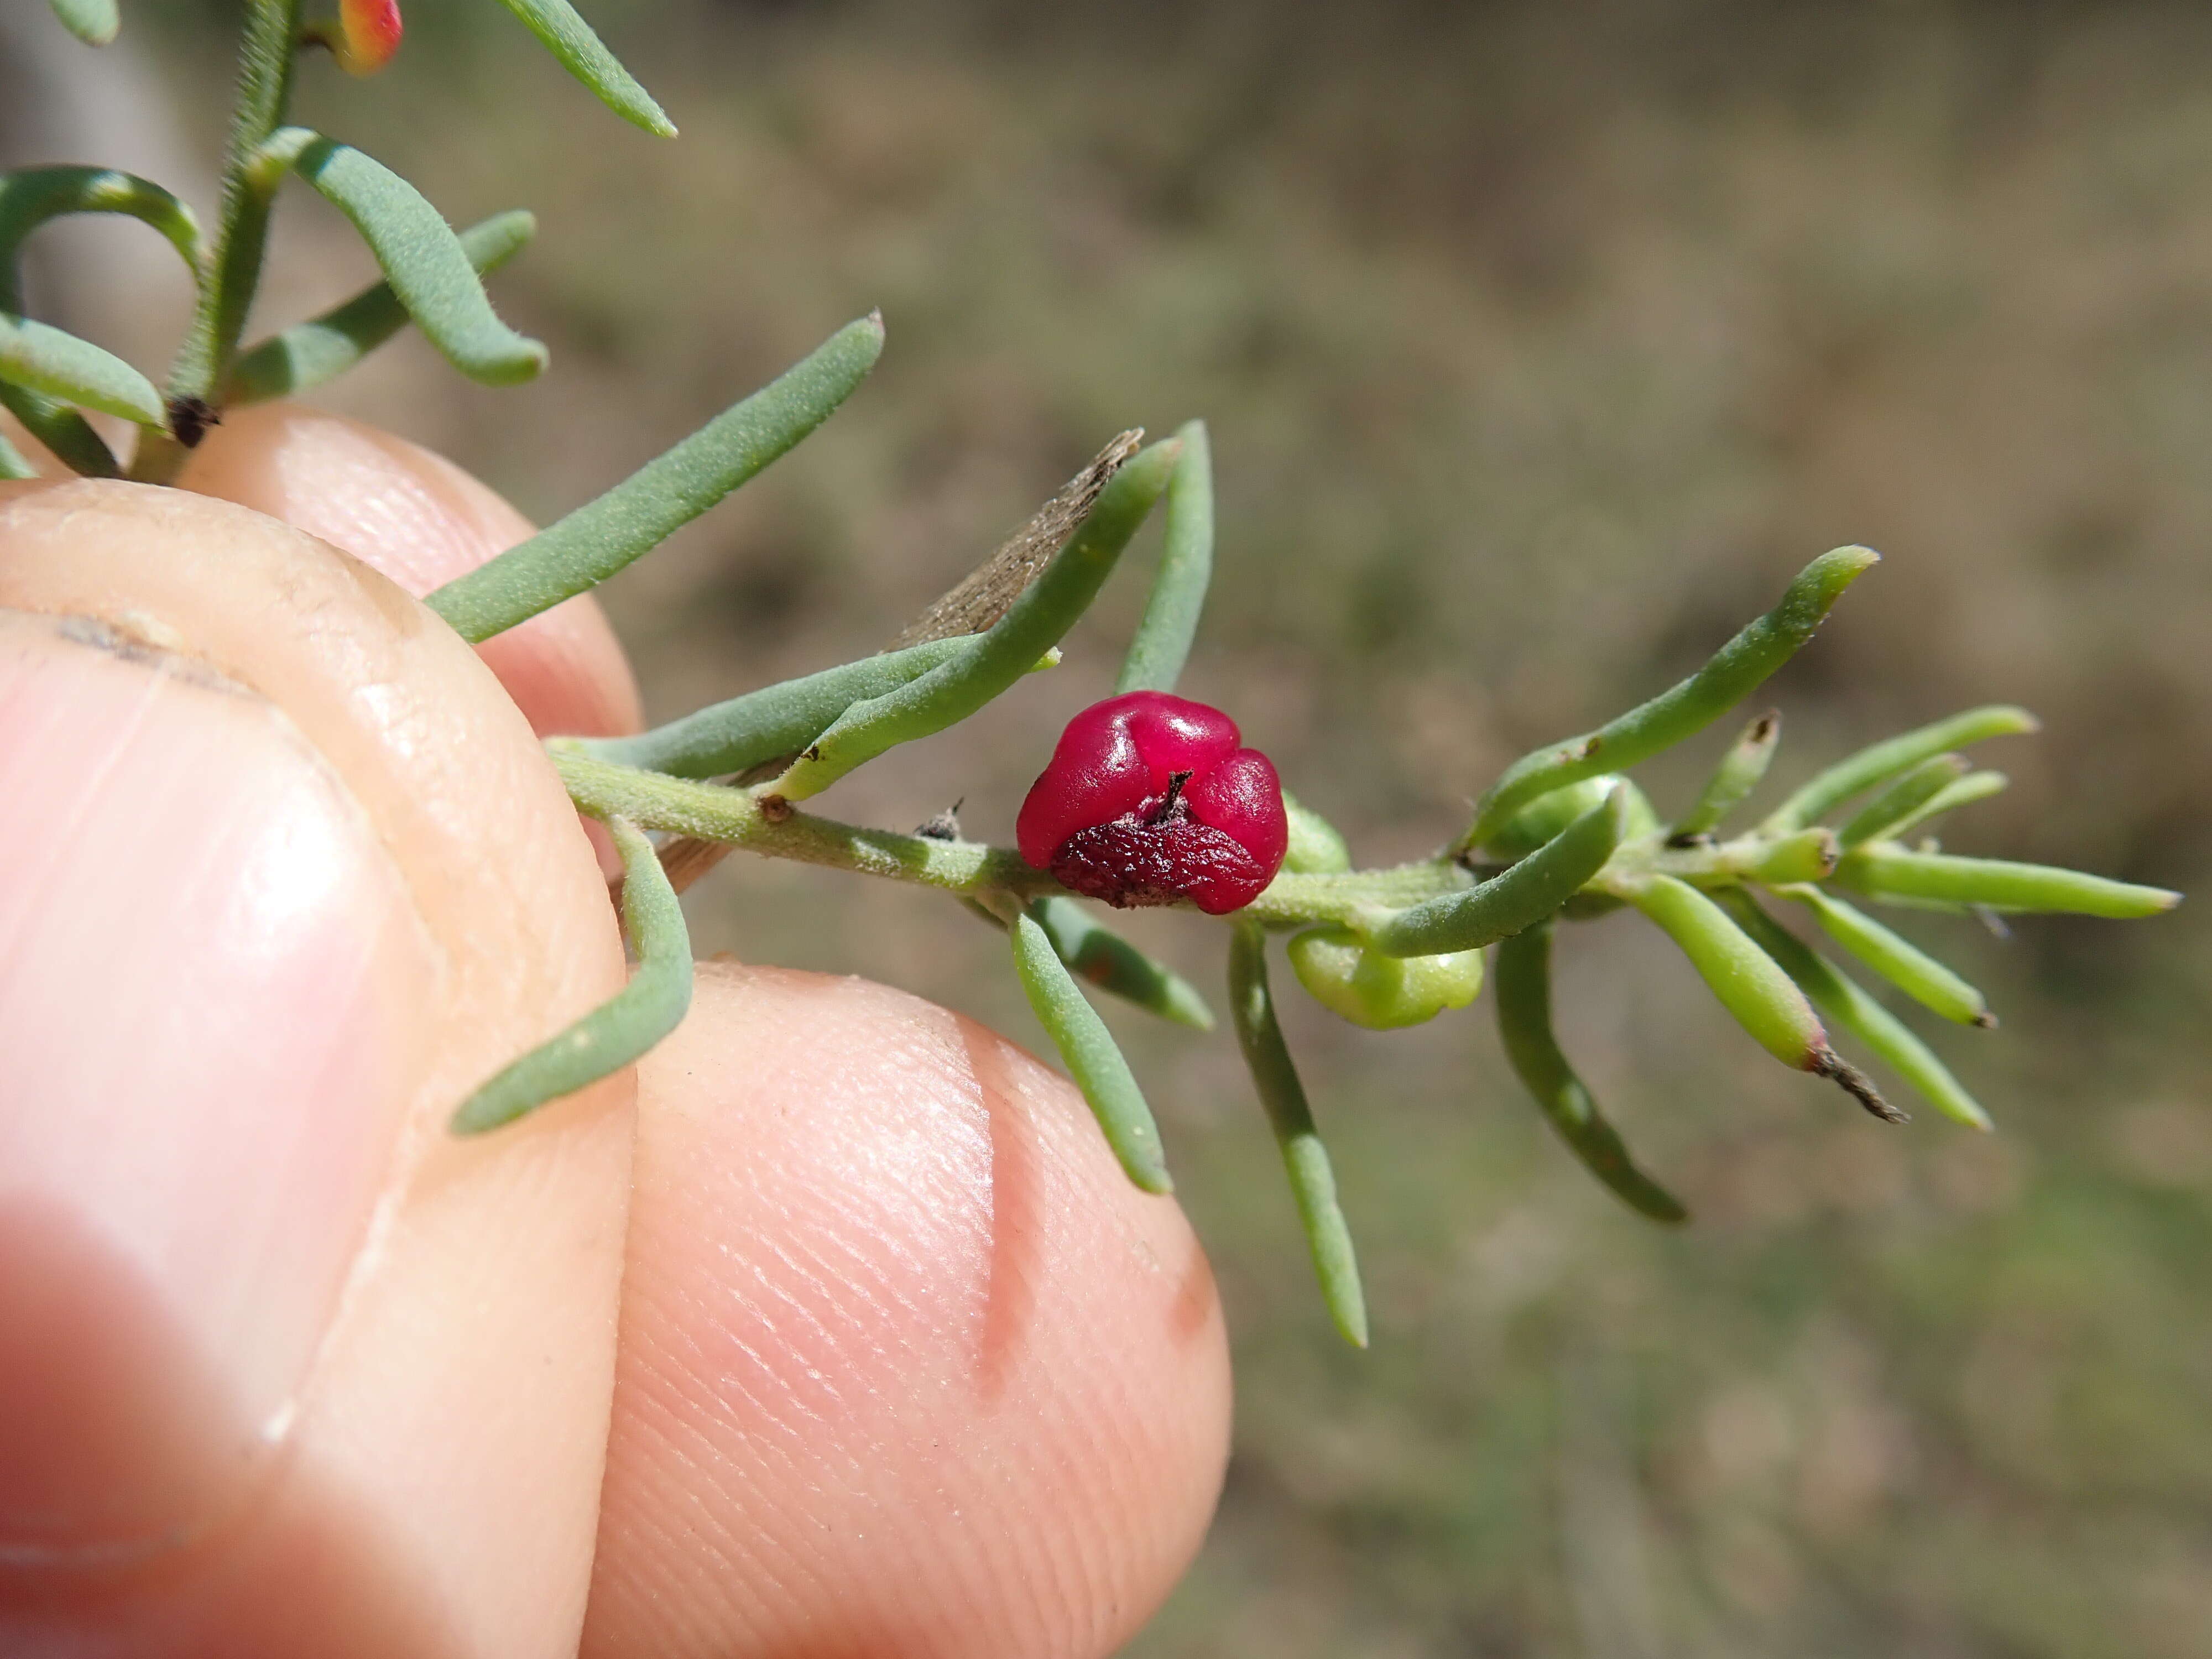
point(906, 1365)
point(285, 1368)
point(422, 521)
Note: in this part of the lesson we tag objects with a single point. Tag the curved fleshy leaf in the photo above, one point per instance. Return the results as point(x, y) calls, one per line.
point(43, 359)
point(62, 430)
point(1524, 990)
point(32, 196)
point(1093, 1058)
point(1305, 1159)
point(1102, 957)
point(582, 53)
point(620, 1029)
point(1520, 898)
point(1032, 625)
point(313, 353)
point(1728, 676)
point(95, 23)
point(588, 545)
point(421, 258)
point(1164, 637)
point(1878, 763)
point(1845, 1001)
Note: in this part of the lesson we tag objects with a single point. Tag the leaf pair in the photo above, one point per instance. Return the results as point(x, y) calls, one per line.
point(47, 374)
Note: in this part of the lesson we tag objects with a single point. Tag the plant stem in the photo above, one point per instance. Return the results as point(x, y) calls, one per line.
point(265, 90)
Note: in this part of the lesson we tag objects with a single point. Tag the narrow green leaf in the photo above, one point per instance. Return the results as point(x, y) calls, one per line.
point(1093, 1059)
point(420, 256)
point(1735, 777)
point(1883, 869)
point(1753, 987)
point(14, 466)
point(1305, 1159)
point(1170, 622)
point(1524, 1022)
point(1315, 848)
point(729, 736)
point(33, 196)
point(1746, 979)
point(1034, 623)
point(1520, 898)
point(1845, 1002)
point(1097, 953)
point(43, 359)
point(313, 353)
point(570, 39)
point(62, 430)
point(1907, 793)
point(1878, 762)
point(606, 534)
point(1903, 964)
point(623, 1028)
point(95, 23)
point(1732, 673)
point(1975, 785)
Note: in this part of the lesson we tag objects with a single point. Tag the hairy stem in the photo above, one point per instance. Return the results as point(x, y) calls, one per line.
point(233, 271)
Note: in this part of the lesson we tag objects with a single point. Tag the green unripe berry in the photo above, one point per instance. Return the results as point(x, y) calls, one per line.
point(1381, 993)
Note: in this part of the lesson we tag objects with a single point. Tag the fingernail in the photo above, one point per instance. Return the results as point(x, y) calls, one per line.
point(211, 982)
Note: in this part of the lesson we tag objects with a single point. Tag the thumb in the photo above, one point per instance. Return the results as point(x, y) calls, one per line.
point(283, 1367)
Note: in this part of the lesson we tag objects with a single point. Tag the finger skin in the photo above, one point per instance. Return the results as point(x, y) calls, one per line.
point(422, 521)
point(908, 1366)
point(432, 1491)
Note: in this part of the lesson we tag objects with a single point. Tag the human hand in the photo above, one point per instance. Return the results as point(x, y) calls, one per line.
point(871, 1349)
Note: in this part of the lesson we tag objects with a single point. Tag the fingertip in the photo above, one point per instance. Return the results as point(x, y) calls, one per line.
point(907, 1363)
point(422, 521)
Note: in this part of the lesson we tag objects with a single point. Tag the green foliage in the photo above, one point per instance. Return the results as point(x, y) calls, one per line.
point(606, 534)
point(570, 39)
point(621, 1028)
point(1562, 834)
point(429, 272)
point(310, 353)
point(1032, 625)
point(1735, 672)
point(1105, 959)
point(95, 23)
point(1093, 1059)
point(1305, 1159)
point(1163, 640)
point(57, 365)
point(1524, 1025)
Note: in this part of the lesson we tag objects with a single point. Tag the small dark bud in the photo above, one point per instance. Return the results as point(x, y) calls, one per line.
point(190, 419)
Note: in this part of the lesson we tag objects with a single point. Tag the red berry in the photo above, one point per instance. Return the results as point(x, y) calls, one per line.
point(1150, 798)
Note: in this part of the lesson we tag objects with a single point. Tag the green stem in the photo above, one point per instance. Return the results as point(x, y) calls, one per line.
point(265, 91)
point(743, 818)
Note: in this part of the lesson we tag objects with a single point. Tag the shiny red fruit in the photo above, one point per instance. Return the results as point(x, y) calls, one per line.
point(1150, 798)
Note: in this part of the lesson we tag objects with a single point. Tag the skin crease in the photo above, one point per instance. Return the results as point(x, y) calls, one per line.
point(901, 1364)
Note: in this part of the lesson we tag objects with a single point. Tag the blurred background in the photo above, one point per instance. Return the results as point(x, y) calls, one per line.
point(1540, 344)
